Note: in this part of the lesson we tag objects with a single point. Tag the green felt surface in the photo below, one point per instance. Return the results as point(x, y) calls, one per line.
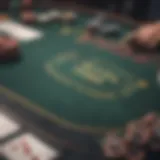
point(81, 84)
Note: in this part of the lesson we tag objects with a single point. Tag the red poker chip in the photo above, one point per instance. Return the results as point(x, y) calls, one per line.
point(8, 48)
point(27, 4)
point(12, 44)
point(28, 17)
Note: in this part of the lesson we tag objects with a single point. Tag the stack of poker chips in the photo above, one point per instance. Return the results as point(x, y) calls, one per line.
point(97, 25)
point(29, 16)
point(27, 4)
point(138, 138)
point(50, 16)
point(68, 17)
point(9, 48)
point(54, 15)
point(110, 30)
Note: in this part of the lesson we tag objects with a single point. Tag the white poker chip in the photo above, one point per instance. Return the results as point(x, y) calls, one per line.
point(43, 18)
point(69, 16)
point(94, 23)
point(54, 13)
point(100, 17)
point(48, 16)
point(106, 29)
point(74, 15)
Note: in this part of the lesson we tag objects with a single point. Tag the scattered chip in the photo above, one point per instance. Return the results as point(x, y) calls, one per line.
point(155, 140)
point(3, 17)
point(114, 146)
point(69, 17)
point(65, 31)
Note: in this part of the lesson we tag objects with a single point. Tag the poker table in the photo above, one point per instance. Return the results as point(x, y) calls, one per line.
point(69, 87)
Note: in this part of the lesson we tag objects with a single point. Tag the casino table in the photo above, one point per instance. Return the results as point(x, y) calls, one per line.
point(77, 87)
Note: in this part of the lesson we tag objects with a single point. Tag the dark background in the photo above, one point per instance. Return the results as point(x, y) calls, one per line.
point(140, 9)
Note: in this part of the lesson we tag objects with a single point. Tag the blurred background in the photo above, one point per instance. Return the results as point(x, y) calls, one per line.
point(138, 9)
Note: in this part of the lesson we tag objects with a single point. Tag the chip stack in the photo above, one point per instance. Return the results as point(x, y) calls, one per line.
point(68, 17)
point(94, 24)
point(114, 146)
point(101, 17)
point(50, 16)
point(110, 30)
point(26, 4)
point(9, 49)
point(28, 17)
point(155, 140)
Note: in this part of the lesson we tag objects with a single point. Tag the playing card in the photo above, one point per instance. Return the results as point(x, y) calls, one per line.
point(7, 126)
point(19, 31)
point(28, 147)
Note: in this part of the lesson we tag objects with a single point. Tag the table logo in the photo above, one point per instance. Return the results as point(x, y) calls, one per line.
point(94, 76)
